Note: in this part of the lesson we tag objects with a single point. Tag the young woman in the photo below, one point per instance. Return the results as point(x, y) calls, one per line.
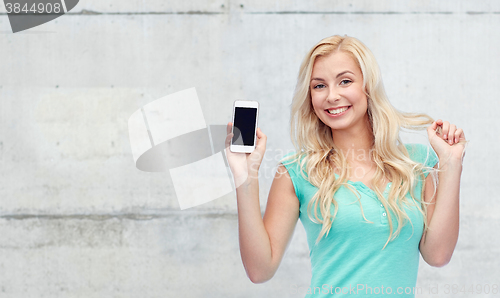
point(365, 199)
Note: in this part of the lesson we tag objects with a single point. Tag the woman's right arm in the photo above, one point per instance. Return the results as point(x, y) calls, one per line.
point(263, 241)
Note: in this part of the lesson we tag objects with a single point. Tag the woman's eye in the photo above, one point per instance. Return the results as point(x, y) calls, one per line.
point(319, 86)
point(345, 82)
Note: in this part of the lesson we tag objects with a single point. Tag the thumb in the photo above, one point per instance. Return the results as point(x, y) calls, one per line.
point(261, 139)
point(431, 130)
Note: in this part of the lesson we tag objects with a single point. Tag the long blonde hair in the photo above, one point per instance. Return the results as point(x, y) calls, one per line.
point(316, 151)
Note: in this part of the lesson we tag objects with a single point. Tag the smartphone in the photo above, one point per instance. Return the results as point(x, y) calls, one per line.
point(244, 129)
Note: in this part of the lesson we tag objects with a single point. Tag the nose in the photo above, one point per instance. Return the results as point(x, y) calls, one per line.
point(333, 95)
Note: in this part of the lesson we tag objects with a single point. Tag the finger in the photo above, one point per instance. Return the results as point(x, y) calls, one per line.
point(458, 133)
point(433, 126)
point(438, 128)
point(431, 130)
point(451, 134)
point(446, 128)
point(261, 140)
point(229, 127)
point(439, 124)
point(260, 135)
point(228, 139)
point(462, 136)
point(260, 148)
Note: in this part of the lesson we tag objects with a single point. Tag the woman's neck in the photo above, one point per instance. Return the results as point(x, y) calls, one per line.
point(356, 144)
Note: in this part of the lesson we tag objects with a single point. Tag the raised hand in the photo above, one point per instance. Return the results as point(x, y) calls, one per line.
point(447, 140)
point(245, 165)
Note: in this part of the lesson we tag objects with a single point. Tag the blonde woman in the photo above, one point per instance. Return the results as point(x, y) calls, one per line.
point(366, 200)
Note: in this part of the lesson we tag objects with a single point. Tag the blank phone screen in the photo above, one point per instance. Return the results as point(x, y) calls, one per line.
point(244, 125)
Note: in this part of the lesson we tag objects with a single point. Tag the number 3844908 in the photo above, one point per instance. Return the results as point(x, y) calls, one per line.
point(35, 8)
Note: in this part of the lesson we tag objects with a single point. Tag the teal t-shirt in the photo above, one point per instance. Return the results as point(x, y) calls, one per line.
point(350, 260)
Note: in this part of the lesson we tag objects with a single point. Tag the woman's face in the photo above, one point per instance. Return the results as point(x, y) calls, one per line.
point(337, 86)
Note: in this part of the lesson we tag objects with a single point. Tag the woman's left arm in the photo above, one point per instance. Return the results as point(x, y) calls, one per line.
point(439, 241)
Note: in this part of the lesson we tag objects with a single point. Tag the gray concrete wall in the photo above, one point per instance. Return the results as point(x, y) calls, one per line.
point(77, 219)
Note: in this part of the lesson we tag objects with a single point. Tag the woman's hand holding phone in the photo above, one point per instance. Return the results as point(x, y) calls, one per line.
point(245, 166)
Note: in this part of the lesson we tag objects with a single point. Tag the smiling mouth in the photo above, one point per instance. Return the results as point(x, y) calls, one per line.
point(337, 111)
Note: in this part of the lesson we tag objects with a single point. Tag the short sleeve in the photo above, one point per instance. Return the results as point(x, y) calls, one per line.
point(293, 170)
point(423, 154)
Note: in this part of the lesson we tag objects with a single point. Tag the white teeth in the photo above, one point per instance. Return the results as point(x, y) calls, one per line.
point(337, 111)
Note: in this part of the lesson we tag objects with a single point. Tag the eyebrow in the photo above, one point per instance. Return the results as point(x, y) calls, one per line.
point(340, 74)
